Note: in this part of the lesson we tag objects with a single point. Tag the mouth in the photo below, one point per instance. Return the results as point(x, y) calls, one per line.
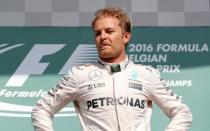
point(104, 45)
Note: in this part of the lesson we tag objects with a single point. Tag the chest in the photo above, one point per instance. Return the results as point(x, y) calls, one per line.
point(125, 84)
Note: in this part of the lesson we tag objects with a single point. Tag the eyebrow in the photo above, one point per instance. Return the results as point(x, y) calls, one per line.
point(105, 29)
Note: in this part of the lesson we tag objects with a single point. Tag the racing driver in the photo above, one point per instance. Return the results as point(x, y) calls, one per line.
point(113, 93)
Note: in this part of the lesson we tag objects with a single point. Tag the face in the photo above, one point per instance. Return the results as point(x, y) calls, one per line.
point(110, 39)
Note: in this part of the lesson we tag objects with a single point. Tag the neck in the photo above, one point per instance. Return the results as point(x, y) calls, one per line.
point(113, 59)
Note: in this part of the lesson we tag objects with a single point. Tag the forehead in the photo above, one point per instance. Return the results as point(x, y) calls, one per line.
point(106, 22)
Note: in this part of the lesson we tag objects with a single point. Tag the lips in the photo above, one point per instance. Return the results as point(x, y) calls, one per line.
point(104, 45)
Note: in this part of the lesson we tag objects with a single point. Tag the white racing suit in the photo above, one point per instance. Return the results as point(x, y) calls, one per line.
point(106, 99)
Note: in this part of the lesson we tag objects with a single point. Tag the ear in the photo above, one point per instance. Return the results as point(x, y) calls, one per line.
point(127, 37)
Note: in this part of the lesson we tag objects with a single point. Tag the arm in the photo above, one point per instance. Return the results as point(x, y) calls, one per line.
point(51, 103)
point(171, 104)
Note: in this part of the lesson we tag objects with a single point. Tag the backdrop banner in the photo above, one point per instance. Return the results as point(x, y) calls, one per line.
point(33, 59)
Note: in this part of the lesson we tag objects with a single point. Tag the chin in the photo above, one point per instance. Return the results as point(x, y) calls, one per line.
point(105, 56)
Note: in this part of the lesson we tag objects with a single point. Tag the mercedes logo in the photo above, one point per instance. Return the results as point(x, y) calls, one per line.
point(95, 75)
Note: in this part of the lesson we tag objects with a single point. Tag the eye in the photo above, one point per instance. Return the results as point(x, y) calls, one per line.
point(97, 33)
point(109, 31)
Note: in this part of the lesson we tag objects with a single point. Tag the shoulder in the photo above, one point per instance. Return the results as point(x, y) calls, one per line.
point(81, 68)
point(147, 69)
point(84, 68)
point(81, 71)
point(153, 71)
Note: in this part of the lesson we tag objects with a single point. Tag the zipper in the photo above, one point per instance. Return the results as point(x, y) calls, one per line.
point(115, 105)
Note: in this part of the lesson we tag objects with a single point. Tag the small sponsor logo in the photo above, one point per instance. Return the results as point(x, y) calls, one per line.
point(135, 85)
point(95, 75)
point(96, 85)
point(134, 75)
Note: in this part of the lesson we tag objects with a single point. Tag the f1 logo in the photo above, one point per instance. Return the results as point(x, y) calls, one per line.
point(31, 63)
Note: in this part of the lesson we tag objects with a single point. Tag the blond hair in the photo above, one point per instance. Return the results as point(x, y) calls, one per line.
point(119, 13)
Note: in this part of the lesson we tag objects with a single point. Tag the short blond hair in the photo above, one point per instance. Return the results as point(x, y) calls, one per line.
point(119, 13)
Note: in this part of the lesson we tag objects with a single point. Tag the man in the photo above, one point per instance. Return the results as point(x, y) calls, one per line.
point(112, 94)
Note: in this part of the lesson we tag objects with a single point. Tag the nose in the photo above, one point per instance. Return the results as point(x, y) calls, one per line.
point(103, 35)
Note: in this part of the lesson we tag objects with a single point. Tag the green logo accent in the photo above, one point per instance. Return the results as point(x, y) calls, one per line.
point(115, 68)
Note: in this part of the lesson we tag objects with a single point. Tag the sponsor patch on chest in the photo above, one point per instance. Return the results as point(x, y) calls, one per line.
point(135, 84)
point(96, 85)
